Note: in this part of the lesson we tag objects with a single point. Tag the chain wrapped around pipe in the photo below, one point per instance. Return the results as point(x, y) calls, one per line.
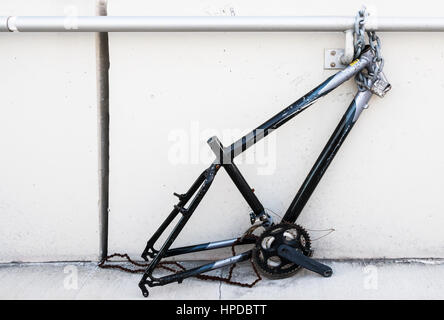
point(365, 78)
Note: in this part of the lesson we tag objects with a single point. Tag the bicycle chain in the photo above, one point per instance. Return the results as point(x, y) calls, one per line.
point(164, 265)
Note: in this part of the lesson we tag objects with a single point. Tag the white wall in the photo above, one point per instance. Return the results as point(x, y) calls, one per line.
point(382, 193)
point(48, 139)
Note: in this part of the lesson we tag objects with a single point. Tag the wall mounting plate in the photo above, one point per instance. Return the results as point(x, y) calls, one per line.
point(332, 59)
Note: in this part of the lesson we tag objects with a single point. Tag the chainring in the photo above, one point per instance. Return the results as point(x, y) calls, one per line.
point(265, 257)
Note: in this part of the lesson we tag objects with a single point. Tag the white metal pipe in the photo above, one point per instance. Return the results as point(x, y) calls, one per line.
point(212, 24)
point(4, 24)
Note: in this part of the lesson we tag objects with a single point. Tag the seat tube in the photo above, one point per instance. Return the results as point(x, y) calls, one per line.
point(225, 159)
point(244, 188)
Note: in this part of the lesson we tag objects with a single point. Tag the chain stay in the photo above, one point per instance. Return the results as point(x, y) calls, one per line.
point(164, 265)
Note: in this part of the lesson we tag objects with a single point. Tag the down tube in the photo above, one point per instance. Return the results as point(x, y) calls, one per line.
point(350, 117)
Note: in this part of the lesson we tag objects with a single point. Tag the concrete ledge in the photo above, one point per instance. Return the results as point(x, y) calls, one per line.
point(390, 279)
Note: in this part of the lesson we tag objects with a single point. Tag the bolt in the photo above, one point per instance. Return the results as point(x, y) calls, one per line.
point(332, 64)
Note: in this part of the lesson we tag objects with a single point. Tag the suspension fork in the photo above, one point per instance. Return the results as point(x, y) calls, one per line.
point(359, 103)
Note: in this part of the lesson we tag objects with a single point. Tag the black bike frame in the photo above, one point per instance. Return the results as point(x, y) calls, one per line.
point(225, 157)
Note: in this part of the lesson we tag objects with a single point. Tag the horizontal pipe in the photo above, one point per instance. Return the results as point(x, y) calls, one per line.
point(4, 24)
point(213, 24)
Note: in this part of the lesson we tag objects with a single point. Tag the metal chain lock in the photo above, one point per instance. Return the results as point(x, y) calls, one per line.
point(373, 79)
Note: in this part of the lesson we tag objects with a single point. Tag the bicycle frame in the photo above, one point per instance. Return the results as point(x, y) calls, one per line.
point(225, 157)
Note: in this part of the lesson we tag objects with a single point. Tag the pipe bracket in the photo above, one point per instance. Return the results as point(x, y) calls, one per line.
point(335, 59)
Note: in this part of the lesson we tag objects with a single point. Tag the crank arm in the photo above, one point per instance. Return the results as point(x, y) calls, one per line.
point(300, 259)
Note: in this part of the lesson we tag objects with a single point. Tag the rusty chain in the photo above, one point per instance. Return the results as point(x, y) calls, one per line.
point(165, 265)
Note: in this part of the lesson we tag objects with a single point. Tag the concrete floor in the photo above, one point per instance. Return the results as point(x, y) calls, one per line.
point(416, 279)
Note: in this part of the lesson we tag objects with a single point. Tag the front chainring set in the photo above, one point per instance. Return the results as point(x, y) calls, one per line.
point(283, 249)
point(265, 253)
